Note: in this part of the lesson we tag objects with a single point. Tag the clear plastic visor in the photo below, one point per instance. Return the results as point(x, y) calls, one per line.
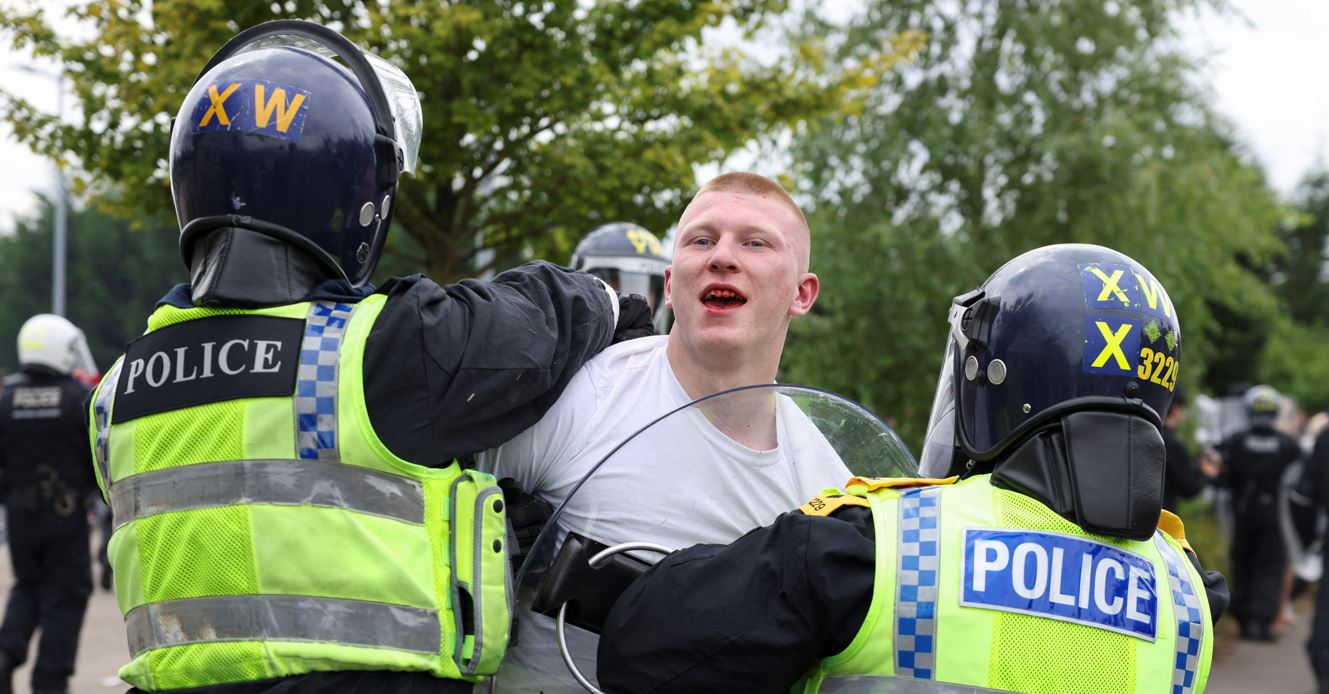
point(403, 100)
point(939, 446)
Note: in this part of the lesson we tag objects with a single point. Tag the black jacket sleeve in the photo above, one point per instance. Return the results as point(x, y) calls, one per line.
point(1318, 467)
point(1183, 478)
point(753, 616)
point(451, 371)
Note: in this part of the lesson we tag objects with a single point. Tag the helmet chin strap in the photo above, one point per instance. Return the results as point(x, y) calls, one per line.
point(1102, 471)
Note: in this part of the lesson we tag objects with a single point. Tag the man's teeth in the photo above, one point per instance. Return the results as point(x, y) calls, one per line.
point(721, 294)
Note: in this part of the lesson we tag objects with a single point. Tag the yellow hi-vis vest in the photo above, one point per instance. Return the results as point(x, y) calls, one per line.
point(980, 587)
point(262, 529)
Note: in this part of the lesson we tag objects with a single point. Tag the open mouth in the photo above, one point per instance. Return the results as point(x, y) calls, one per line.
point(720, 298)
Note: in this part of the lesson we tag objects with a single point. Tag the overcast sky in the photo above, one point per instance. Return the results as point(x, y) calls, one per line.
point(1265, 70)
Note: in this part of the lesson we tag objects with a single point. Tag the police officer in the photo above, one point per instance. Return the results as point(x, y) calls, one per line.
point(1036, 566)
point(47, 469)
point(631, 260)
point(279, 448)
point(1255, 461)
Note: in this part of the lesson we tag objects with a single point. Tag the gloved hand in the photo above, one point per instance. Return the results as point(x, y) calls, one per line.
point(527, 514)
point(1215, 588)
point(634, 318)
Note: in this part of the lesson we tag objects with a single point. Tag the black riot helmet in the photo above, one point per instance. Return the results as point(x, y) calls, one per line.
point(1059, 330)
point(292, 132)
point(630, 259)
point(1262, 405)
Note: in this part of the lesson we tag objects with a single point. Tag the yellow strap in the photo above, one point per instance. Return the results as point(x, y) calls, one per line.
point(1171, 524)
point(871, 484)
point(826, 504)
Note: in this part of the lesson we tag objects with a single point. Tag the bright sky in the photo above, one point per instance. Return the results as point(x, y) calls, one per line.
point(1264, 69)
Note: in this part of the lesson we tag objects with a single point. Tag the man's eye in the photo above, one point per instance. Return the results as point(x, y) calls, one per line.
point(757, 243)
point(701, 242)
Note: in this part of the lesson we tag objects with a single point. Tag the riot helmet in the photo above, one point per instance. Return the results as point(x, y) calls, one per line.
point(1058, 330)
point(51, 341)
point(1262, 404)
point(628, 258)
point(293, 132)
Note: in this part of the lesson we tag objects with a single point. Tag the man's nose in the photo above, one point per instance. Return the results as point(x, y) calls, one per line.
point(723, 257)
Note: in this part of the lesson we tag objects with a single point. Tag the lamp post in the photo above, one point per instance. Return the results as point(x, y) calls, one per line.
point(58, 245)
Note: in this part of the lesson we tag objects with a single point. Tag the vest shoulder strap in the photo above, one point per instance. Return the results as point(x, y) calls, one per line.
point(1170, 523)
point(829, 502)
point(863, 485)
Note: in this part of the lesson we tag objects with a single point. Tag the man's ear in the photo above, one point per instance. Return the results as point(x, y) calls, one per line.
point(669, 271)
point(808, 288)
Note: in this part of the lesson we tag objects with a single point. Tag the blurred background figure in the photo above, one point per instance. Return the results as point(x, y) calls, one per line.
point(47, 467)
point(631, 260)
point(1317, 467)
point(1185, 476)
point(1255, 461)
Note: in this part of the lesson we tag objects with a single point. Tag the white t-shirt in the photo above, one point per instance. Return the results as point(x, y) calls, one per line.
point(681, 483)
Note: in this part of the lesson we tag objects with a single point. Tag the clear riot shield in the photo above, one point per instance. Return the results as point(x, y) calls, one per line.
point(713, 470)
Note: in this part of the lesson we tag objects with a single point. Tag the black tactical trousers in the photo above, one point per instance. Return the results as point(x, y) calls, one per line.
point(1259, 561)
point(52, 582)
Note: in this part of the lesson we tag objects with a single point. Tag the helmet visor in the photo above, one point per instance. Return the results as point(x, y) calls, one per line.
point(939, 446)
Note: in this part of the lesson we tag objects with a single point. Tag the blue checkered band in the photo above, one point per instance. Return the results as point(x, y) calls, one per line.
point(916, 584)
point(101, 413)
point(1190, 618)
point(316, 382)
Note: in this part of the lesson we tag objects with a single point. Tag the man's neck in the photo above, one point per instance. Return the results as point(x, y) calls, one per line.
point(711, 373)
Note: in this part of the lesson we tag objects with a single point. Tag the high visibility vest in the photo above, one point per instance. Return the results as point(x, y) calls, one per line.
point(270, 532)
point(980, 587)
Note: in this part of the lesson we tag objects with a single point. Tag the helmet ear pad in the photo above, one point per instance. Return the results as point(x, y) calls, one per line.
point(1101, 470)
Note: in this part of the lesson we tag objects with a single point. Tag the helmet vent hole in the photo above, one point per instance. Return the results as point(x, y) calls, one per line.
point(971, 367)
point(362, 253)
point(997, 372)
point(366, 214)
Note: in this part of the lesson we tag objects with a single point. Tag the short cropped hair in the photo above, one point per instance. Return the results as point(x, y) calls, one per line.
point(752, 184)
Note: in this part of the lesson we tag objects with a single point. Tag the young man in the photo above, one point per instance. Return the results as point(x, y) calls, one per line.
point(739, 274)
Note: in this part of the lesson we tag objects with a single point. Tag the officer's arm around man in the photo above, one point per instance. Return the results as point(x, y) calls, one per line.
point(1032, 555)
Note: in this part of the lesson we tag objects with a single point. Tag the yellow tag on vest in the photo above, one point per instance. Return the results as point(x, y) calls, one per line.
point(863, 485)
point(826, 504)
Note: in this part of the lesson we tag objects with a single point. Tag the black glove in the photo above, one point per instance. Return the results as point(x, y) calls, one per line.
point(634, 318)
point(527, 514)
point(1215, 587)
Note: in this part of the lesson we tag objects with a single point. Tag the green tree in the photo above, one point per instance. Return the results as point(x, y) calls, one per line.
point(116, 275)
point(1019, 124)
point(542, 119)
point(1293, 357)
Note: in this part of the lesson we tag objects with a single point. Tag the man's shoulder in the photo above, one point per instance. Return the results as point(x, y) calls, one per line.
point(626, 357)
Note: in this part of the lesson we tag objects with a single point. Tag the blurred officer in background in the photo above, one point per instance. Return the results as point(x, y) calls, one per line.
point(280, 447)
point(1254, 463)
point(1045, 568)
point(631, 260)
point(1186, 476)
point(47, 469)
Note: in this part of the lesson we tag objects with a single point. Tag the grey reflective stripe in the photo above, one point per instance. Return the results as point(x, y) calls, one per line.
point(316, 381)
point(282, 618)
point(916, 583)
point(101, 411)
point(281, 482)
point(872, 684)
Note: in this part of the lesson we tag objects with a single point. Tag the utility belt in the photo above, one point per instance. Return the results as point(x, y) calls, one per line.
point(48, 490)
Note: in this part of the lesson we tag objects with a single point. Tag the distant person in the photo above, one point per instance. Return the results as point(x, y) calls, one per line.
point(1185, 476)
point(47, 468)
point(1254, 463)
point(1317, 465)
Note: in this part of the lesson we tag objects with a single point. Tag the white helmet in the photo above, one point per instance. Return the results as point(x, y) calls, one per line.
point(52, 341)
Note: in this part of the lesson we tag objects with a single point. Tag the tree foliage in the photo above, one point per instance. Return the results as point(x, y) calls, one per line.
point(116, 273)
point(1019, 124)
point(542, 119)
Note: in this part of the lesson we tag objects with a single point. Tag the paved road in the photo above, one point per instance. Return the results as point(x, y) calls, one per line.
point(101, 648)
point(1241, 667)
